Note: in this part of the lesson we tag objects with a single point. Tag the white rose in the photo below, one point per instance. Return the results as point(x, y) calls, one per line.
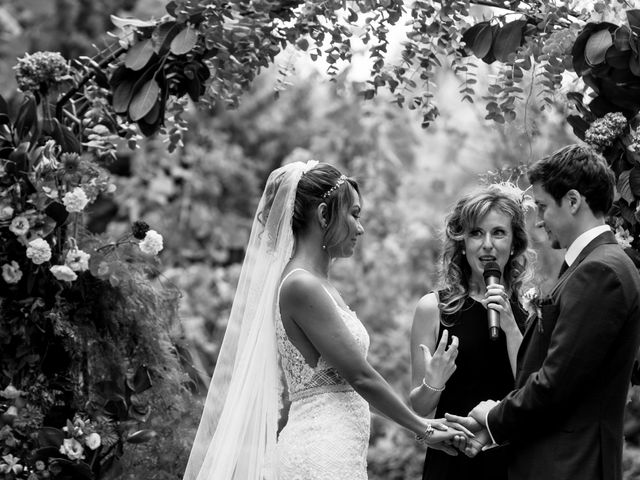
point(77, 260)
point(152, 243)
point(10, 392)
point(39, 251)
point(75, 200)
point(93, 440)
point(63, 272)
point(11, 272)
point(72, 449)
point(6, 212)
point(19, 225)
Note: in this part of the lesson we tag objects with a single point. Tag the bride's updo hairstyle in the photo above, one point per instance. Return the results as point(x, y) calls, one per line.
point(325, 184)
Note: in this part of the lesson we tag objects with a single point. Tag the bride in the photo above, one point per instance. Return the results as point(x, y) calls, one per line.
point(288, 320)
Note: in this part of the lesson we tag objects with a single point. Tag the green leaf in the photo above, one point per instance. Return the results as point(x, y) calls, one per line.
point(633, 17)
point(27, 118)
point(131, 22)
point(508, 40)
point(138, 55)
point(140, 381)
point(597, 46)
point(4, 108)
point(634, 181)
point(184, 41)
point(65, 138)
point(302, 44)
point(163, 35)
point(578, 124)
point(122, 95)
point(617, 59)
point(622, 37)
point(624, 188)
point(479, 39)
point(57, 212)
point(144, 99)
point(141, 436)
point(50, 437)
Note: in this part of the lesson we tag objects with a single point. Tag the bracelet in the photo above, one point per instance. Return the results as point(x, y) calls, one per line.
point(423, 437)
point(435, 389)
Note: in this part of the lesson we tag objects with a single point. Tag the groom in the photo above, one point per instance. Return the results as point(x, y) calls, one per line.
point(564, 420)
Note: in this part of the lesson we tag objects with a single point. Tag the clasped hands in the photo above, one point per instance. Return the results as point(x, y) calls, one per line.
point(475, 422)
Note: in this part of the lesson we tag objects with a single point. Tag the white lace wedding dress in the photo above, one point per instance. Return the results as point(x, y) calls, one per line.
point(327, 432)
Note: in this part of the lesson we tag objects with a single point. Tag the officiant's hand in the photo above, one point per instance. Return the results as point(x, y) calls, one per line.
point(440, 365)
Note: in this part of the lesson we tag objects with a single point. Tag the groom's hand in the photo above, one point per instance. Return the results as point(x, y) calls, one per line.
point(469, 423)
point(480, 411)
point(476, 444)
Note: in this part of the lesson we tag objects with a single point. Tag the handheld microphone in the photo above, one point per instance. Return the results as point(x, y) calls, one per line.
point(492, 276)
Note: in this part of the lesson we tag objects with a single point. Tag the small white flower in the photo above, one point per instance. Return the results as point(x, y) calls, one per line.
point(63, 272)
point(152, 243)
point(19, 225)
point(11, 465)
point(75, 200)
point(11, 272)
point(623, 237)
point(47, 160)
point(6, 212)
point(93, 440)
point(77, 260)
point(39, 251)
point(103, 269)
point(10, 392)
point(72, 449)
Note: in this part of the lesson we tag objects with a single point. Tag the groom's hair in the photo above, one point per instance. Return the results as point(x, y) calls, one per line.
point(580, 168)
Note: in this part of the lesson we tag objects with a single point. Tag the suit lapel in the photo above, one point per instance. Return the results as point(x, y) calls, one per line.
point(602, 239)
point(530, 339)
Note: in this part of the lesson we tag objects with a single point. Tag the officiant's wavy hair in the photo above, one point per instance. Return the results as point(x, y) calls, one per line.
point(323, 183)
point(456, 272)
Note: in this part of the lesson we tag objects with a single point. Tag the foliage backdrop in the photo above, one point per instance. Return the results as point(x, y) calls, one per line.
point(202, 197)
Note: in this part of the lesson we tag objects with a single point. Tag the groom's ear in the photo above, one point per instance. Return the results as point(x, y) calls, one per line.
point(575, 200)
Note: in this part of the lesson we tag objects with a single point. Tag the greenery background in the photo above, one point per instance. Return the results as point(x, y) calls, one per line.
point(202, 199)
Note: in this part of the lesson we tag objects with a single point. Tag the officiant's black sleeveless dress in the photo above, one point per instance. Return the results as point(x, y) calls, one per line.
point(483, 373)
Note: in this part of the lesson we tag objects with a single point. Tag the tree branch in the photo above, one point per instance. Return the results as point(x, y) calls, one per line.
point(85, 78)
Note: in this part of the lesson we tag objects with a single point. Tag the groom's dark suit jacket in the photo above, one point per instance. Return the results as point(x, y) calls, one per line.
point(564, 420)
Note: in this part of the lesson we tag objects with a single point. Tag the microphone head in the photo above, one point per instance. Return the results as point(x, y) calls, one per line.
point(491, 269)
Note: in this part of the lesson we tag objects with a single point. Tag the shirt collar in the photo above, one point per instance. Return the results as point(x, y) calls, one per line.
point(582, 241)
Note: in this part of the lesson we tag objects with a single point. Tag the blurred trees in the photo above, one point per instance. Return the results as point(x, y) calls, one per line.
point(202, 197)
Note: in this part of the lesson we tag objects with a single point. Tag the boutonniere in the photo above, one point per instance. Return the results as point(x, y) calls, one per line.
point(533, 305)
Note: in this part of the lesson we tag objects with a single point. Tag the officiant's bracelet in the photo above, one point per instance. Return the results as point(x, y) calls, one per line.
point(434, 389)
point(423, 437)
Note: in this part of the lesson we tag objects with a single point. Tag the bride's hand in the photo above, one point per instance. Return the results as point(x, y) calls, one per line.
point(444, 433)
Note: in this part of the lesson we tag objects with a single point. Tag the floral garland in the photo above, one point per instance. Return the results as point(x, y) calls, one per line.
point(85, 338)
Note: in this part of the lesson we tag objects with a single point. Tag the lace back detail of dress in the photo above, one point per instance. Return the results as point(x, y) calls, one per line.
point(304, 380)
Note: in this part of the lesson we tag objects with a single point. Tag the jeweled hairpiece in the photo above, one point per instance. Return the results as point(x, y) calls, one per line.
point(340, 181)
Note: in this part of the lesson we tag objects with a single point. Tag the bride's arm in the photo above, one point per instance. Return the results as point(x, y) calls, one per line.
point(303, 300)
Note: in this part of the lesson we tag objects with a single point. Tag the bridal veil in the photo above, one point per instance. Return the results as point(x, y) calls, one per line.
point(236, 438)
